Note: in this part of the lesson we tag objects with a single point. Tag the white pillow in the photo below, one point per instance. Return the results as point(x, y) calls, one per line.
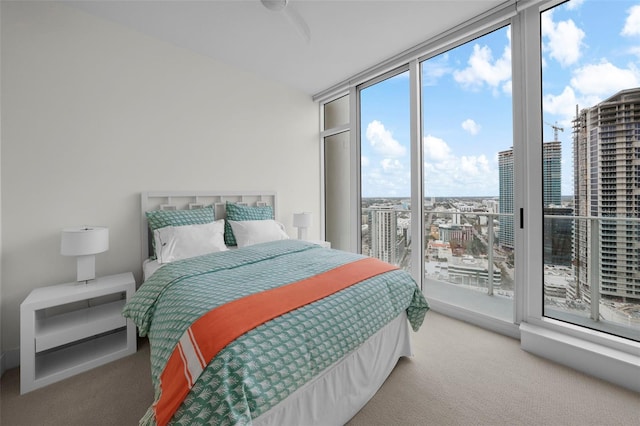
point(181, 242)
point(249, 232)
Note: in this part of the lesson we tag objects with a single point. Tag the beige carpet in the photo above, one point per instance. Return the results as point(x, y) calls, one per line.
point(460, 375)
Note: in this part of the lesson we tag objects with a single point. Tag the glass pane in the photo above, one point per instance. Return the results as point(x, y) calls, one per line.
point(468, 176)
point(337, 194)
point(591, 145)
point(386, 170)
point(336, 113)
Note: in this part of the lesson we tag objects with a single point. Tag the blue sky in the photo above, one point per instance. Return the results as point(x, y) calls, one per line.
point(590, 51)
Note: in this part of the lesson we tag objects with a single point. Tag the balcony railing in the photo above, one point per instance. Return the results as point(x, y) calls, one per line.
point(591, 277)
point(608, 275)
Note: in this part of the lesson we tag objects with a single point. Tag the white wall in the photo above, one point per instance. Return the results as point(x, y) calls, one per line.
point(93, 114)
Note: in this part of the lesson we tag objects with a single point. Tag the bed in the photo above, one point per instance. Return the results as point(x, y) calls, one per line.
point(273, 331)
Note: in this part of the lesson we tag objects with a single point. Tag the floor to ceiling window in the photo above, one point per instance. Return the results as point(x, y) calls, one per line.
point(468, 176)
point(591, 169)
point(385, 169)
point(528, 180)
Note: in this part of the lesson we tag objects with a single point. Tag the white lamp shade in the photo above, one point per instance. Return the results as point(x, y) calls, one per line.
point(302, 220)
point(84, 240)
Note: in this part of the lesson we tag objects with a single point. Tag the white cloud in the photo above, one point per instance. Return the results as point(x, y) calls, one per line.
point(634, 51)
point(563, 104)
point(382, 141)
point(474, 166)
point(589, 86)
point(564, 39)
point(604, 79)
point(435, 68)
point(507, 87)
point(390, 165)
point(385, 170)
point(632, 23)
point(436, 149)
point(389, 178)
point(447, 174)
point(471, 126)
point(483, 69)
point(573, 4)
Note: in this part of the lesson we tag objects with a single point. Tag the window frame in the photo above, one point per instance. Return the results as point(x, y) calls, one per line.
point(545, 336)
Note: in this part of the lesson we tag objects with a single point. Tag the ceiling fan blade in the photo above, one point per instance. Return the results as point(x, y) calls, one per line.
point(298, 22)
point(275, 5)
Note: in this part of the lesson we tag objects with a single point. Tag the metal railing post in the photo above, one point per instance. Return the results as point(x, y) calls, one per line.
point(490, 255)
point(594, 268)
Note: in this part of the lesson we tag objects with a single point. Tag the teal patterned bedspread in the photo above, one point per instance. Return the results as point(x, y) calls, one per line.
point(265, 365)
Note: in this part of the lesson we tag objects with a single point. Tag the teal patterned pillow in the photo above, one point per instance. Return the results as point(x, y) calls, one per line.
point(160, 218)
point(240, 212)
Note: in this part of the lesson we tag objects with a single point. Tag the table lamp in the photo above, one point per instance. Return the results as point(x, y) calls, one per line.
point(85, 242)
point(302, 221)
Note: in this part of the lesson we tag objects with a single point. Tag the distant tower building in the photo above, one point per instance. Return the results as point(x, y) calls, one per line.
point(492, 206)
point(557, 233)
point(459, 233)
point(505, 203)
point(606, 155)
point(557, 236)
point(551, 191)
point(384, 225)
point(551, 170)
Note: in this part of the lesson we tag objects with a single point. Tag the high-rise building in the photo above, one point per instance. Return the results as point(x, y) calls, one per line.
point(557, 240)
point(505, 203)
point(558, 236)
point(491, 205)
point(551, 170)
point(384, 225)
point(606, 153)
point(551, 191)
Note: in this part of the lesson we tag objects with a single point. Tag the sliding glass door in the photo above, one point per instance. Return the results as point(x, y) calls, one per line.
point(591, 164)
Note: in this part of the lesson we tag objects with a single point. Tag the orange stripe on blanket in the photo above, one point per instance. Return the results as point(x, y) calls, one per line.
point(210, 333)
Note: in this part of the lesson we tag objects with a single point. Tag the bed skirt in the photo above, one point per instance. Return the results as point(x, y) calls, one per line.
point(335, 396)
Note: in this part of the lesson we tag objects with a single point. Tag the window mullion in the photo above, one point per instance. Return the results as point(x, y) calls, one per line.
point(417, 197)
point(528, 164)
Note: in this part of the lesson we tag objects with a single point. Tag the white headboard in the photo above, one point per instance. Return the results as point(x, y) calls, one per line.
point(183, 200)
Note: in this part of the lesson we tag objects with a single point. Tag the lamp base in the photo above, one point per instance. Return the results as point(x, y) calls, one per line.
point(302, 234)
point(86, 268)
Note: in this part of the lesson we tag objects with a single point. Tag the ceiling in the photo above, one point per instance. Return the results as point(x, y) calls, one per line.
point(347, 36)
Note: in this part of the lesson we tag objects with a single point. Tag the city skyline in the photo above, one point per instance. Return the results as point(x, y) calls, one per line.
point(462, 143)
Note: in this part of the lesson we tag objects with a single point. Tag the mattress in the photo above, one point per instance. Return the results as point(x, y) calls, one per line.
point(149, 266)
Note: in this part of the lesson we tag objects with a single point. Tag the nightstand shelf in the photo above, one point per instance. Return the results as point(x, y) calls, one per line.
point(55, 365)
point(70, 328)
point(77, 325)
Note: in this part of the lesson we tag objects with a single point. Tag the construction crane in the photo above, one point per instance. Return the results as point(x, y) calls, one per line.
point(555, 128)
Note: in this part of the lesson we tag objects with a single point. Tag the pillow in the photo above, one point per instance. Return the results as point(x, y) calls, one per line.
point(181, 242)
point(239, 212)
point(249, 232)
point(160, 218)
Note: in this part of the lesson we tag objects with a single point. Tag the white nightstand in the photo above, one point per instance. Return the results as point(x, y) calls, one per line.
point(70, 328)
